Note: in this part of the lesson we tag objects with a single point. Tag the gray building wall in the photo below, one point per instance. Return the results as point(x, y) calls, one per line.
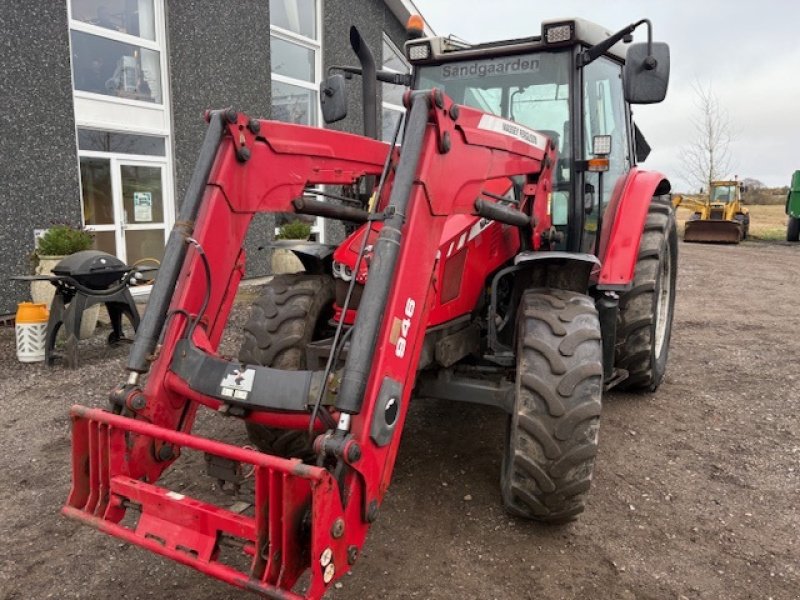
point(218, 56)
point(38, 155)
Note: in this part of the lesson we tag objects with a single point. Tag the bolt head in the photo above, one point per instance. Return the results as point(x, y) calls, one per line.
point(337, 529)
point(243, 154)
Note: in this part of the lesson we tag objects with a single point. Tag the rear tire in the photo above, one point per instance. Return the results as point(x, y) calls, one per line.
point(551, 441)
point(744, 220)
point(644, 325)
point(292, 311)
point(793, 230)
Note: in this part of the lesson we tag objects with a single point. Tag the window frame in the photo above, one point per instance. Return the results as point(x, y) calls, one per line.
point(389, 105)
point(315, 45)
point(158, 45)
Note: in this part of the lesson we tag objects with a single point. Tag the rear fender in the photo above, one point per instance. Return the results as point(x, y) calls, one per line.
point(623, 224)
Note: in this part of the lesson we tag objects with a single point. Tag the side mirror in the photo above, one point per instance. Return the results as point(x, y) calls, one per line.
point(333, 98)
point(646, 75)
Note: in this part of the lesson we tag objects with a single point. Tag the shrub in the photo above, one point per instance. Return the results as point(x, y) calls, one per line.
point(62, 240)
point(295, 230)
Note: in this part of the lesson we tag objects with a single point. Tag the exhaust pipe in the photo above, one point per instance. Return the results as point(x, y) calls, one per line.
point(368, 83)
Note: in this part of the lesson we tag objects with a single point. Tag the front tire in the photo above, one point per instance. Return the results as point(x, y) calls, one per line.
point(551, 440)
point(644, 325)
point(292, 311)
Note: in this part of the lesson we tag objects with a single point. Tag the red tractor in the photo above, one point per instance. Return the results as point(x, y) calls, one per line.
point(509, 253)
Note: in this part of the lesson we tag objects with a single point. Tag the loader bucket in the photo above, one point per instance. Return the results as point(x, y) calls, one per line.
point(295, 506)
point(713, 231)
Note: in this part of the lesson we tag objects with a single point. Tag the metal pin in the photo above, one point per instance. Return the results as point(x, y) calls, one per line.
point(325, 559)
point(327, 575)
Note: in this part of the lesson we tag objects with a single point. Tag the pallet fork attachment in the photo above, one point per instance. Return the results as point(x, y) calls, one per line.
point(312, 518)
point(289, 495)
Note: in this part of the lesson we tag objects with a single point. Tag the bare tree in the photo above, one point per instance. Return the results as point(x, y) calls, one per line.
point(708, 157)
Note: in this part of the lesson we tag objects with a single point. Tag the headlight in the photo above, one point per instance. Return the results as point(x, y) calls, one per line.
point(558, 32)
point(418, 51)
point(342, 271)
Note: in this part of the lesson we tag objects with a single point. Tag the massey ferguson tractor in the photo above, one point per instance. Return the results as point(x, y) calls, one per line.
point(508, 253)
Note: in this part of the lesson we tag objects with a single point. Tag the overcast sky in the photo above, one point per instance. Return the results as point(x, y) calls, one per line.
point(749, 52)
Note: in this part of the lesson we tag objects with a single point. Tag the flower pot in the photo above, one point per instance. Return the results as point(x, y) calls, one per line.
point(43, 292)
point(285, 261)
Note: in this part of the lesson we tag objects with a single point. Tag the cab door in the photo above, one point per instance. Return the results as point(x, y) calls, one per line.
point(603, 114)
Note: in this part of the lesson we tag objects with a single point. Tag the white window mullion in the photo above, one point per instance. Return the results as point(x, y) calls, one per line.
point(119, 214)
point(292, 36)
point(298, 82)
point(117, 36)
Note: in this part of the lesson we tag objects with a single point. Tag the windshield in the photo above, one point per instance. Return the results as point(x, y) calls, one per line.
point(723, 193)
point(531, 89)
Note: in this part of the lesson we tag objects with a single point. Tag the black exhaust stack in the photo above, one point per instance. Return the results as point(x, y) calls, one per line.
point(368, 83)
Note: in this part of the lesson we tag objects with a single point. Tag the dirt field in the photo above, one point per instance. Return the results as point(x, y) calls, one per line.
point(696, 491)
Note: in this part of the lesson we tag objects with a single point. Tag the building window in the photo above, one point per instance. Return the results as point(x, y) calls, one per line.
point(116, 49)
point(296, 60)
point(392, 95)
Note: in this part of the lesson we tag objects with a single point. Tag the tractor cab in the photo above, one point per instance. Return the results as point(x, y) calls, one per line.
point(570, 84)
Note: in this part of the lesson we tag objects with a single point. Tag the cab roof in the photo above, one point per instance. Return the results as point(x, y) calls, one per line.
point(582, 31)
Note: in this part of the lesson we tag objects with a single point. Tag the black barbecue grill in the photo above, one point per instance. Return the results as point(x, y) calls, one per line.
point(82, 280)
point(92, 269)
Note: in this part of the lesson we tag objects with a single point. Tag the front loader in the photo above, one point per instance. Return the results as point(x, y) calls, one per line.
point(510, 253)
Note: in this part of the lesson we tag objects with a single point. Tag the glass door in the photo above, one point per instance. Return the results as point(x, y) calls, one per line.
point(125, 205)
point(141, 206)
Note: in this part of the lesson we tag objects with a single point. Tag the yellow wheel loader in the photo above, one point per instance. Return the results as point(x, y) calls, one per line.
point(718, 218)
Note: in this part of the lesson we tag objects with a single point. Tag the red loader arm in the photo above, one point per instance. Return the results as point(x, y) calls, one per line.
point(305, 517)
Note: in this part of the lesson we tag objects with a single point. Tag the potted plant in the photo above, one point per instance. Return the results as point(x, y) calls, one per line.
point(56, 243)
point(283, 259)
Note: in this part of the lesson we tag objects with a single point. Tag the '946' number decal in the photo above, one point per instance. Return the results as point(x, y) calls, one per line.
point(405, 326)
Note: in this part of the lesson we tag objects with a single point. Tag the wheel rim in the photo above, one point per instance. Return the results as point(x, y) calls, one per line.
point(662, 300)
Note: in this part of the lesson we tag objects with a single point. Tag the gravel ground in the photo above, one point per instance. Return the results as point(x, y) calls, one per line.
point(696, 488)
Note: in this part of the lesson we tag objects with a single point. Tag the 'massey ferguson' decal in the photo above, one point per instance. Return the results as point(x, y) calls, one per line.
point(515, 130)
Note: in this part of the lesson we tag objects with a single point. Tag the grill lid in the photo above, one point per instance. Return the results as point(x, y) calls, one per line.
point(92, 268)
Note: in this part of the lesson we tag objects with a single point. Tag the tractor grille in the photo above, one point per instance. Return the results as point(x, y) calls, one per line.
point(717, 213)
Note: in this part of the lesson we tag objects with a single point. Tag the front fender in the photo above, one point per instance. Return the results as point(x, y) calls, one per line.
point(623, 225)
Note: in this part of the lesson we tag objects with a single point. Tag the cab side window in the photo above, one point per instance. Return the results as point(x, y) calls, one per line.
point(604, 110)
